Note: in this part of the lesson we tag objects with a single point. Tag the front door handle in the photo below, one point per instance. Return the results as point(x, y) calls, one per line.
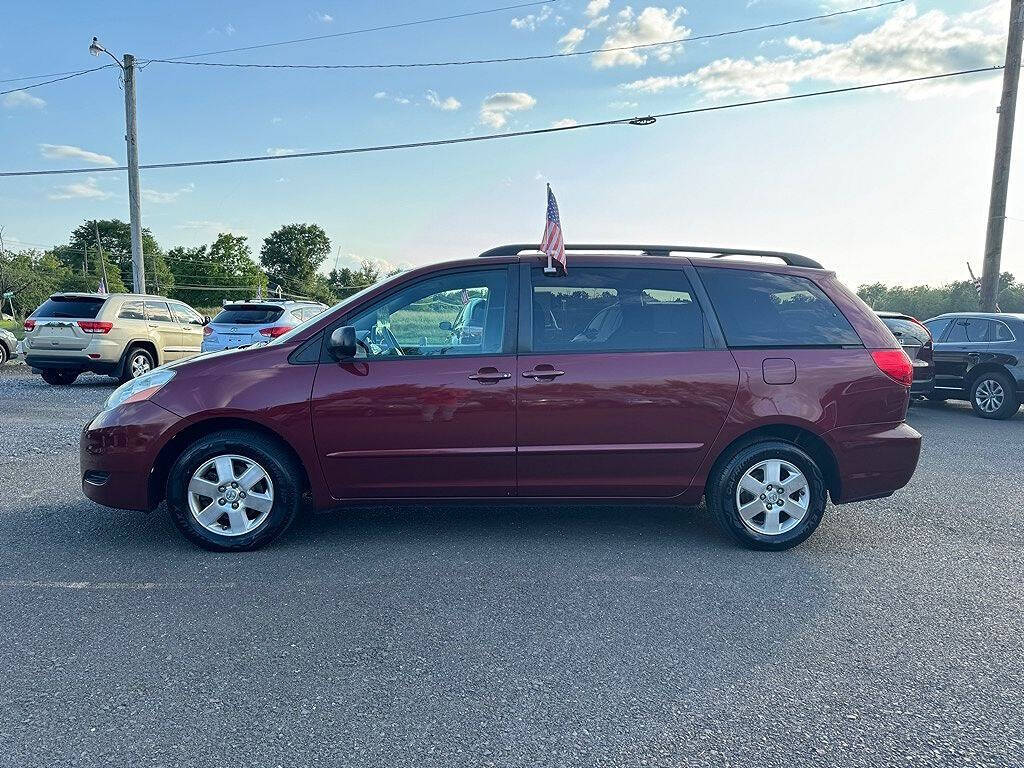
point(542, 373)
point(489, 375)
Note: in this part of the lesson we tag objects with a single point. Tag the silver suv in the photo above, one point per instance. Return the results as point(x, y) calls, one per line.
point(123, 335)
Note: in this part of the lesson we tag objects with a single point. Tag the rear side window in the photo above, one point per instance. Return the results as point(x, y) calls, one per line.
point(970, 329)
point(132, 310)
point(765, 309)
point(604, 309)
point(157, 312)
point(248, 315)
point(906, 331)
point(70, 306)
point(1003, 333)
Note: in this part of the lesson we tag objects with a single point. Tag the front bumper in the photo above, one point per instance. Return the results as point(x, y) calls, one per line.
point(874, 460)
point(118, 450)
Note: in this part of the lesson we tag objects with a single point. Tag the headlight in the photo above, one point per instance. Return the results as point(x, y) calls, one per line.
point(138, 389)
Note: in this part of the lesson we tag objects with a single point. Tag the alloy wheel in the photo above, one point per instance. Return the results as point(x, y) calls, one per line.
point(140, 364)
point(772, 497)
point(989, 396)
point(230, 495)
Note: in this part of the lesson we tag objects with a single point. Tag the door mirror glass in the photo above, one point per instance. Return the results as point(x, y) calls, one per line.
point(342, 344)
point(206, 320)
point(445, 325)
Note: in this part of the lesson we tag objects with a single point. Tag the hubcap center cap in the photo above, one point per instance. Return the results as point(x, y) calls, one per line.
point(231, 495)
point(773, 497)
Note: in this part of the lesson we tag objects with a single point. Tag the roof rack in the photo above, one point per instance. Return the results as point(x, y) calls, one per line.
point(791, 259)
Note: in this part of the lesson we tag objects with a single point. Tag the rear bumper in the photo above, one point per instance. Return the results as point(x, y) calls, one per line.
point(77, 363)
point(923, 385)
point(874, 460)
point(118, 450)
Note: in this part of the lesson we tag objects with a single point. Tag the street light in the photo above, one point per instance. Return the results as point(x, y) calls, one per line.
point(127, 65)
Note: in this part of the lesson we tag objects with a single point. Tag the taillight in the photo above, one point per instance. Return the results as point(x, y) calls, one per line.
point(207, 330)
point(95, 326)
point(30, 324)
point(895, 364)
point(276, 330)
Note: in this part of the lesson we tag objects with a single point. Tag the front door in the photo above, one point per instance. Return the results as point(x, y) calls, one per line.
point(420, 411)
point(618, 396)
point(191, 324)
point(959, 351)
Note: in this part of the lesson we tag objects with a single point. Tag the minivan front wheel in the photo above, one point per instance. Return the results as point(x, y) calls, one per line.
point(769, 495)
point(233, 491)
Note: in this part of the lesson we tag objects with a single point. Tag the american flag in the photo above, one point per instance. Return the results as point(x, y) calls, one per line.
point(551, 242)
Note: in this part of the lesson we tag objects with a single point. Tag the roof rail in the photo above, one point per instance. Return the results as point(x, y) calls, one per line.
point(791, 259)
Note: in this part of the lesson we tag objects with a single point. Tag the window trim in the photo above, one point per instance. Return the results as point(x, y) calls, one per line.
point(525, 346)
point(508, 342)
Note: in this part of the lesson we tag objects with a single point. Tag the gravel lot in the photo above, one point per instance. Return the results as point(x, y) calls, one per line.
point(512, 636)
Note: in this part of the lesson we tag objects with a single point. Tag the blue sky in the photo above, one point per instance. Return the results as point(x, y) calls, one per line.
point(884, 185)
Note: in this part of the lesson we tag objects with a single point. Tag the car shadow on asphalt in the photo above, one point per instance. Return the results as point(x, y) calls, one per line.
point(953, 409)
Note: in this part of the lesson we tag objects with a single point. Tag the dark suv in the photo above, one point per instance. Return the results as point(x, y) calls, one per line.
point(979, 357)
point(647, 373)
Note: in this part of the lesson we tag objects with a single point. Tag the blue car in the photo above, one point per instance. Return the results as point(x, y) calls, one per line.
point(251, 322)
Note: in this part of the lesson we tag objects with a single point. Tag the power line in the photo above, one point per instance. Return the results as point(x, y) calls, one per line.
point(57, 79)
point(637, 120)
point(381, 28)
point(538, 57)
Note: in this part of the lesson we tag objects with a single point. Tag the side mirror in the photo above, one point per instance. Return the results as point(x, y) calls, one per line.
point(445, 325)
point(206, 320)
point(342, 344)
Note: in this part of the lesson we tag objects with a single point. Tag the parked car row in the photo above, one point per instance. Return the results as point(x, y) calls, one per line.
point(127, 335)
point(972, 356)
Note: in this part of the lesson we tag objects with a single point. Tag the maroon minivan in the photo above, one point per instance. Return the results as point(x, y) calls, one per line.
point(646, 373)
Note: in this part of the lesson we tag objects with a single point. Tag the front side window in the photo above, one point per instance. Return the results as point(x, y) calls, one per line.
point(157, 312)
point(937, 327)
point(185, 315)
point(767, 309)
point(462, 313)
point(603, 309)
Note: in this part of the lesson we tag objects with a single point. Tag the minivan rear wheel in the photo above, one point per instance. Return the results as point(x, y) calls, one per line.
point(769, 495)
point(234, 491)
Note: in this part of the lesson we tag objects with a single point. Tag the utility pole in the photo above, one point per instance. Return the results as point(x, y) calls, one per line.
point(1001, 168)
point(131, 137)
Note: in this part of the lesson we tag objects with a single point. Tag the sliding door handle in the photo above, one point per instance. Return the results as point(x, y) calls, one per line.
point(542, 373)
point(489, 375)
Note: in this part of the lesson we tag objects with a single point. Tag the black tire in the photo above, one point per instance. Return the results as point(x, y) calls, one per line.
point(60, 376)
point(4, 354)
point(722, 495)
point(140, 353)
point(279, 464)
point(987, 384)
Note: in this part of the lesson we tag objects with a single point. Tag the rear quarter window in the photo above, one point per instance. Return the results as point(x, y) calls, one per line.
point(70, 306)
point(248, 315)
point(766, 309)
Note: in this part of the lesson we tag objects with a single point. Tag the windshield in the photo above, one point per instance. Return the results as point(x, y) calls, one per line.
point(298, 329)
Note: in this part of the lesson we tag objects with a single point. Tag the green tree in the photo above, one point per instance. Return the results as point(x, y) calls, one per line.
point(925, 301)
point(292, 255)
point(227, 262)
point(116, 240)
point(344, 282)
point(31, 276)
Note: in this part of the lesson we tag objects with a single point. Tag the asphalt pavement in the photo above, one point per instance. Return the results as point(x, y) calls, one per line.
point(511, 636)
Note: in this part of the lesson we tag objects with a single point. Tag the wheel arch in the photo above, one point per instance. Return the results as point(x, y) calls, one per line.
point(174, 447)
point(146, 344)
point(802, 438)
point(981, 369)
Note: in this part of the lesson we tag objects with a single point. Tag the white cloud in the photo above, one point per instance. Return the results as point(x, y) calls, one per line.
point(907, 44)
point(568, 42)
point(599, 21)
point(623, 104)
point(229, 30)
point(565, 122)
point(323, 17)
point(156, 197)
point(275, 120)
point(449, 104)
point(66, 151)
point(80, 190)
point(531, 21)
point(596, 7)
point(23, 99)
point(495, 108)
point(401, 100)
point(281, 151)
point(380, 95)
point(651, 25)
